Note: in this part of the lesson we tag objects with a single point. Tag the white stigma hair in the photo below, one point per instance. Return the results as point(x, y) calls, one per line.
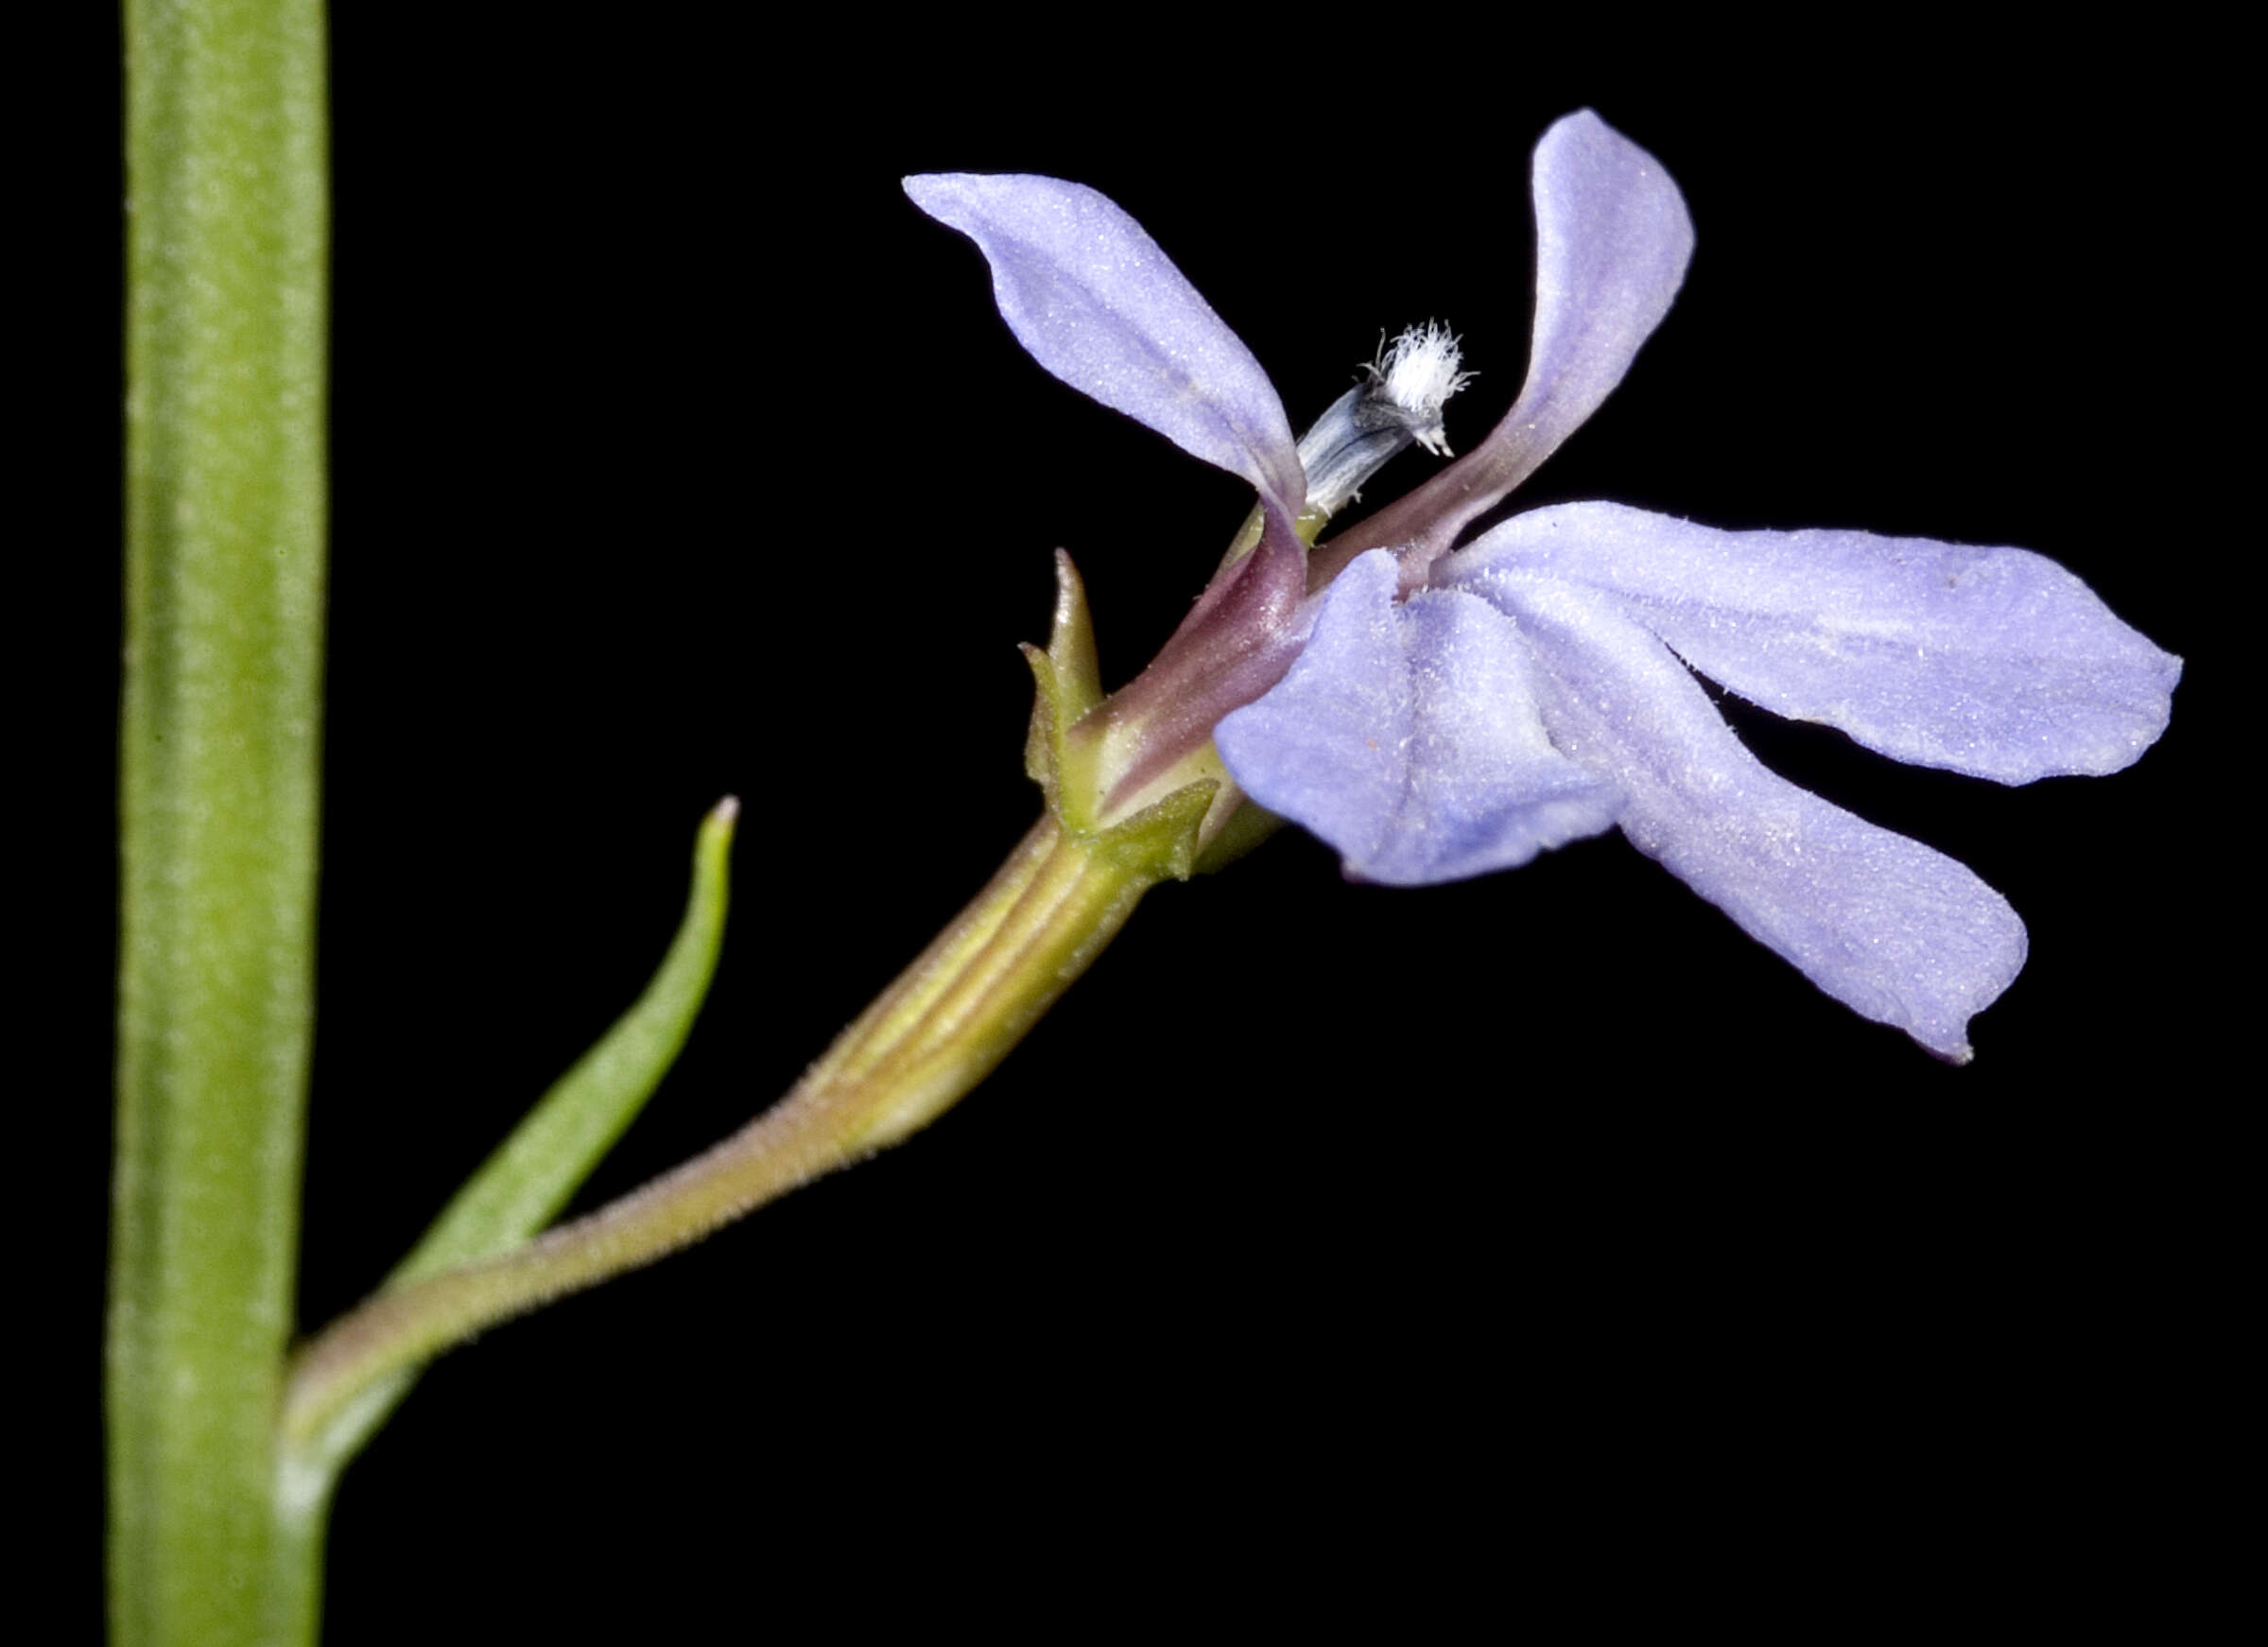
point(1418, 372)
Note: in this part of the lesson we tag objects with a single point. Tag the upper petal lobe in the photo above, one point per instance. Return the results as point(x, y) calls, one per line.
point(1613, 240)
point(1096, 301)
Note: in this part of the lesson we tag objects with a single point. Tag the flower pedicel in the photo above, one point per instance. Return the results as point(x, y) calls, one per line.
point(1432, 709)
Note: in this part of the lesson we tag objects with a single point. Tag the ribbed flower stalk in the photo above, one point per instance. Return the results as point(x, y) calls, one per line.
point(934, 1033)
point(937, 1031)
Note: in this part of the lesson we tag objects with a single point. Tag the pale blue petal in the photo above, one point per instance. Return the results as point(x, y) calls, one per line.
point(1406, 736)
point(1895, 931)
point(1613, 240)
point(1993, 662)
point(1096, 302)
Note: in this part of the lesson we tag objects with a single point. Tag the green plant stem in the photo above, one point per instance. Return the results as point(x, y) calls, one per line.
point(925, 1041)
point(225, 504)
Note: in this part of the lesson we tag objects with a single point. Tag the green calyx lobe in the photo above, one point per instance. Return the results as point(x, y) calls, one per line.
point(1159, 842)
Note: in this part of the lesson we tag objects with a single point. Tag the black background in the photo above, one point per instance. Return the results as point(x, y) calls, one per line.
point(677, 455)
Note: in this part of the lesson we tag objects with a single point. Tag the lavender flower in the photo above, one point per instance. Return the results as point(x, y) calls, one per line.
point(1435, 712)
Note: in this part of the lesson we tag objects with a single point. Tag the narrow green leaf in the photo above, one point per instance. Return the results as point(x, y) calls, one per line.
point(533, 1173)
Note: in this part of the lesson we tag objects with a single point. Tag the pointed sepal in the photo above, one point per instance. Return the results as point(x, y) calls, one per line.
point(1162, 841)
point(1067, 682)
